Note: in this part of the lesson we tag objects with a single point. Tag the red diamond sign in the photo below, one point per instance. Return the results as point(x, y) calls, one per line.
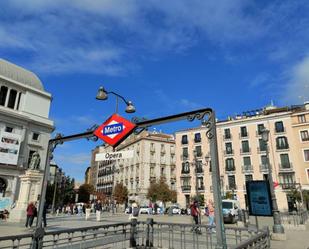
point(114, 130)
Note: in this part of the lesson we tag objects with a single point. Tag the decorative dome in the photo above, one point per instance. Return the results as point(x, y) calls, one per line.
point(19, 74)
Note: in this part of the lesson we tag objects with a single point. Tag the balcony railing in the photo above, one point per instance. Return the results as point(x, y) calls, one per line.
point(263, 168)
point(245, 151)
point(286, 185)
point(285, 167)
point(185, 171)
point(247, 168)
point(229, 152)
point(186, 188)
point(227, 137)
point(261, 150)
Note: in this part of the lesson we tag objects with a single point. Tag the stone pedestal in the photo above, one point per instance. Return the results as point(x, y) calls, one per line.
point(30, 189)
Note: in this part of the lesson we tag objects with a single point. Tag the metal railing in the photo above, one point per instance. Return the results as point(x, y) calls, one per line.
point(147, 234)
point(294, 218)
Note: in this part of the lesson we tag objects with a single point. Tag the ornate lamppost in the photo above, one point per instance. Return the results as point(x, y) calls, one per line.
point(277, 228)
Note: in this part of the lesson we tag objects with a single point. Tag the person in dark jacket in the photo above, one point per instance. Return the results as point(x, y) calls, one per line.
point(30, 214)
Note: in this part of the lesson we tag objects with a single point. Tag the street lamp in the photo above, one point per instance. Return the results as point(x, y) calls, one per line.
point(103, 95)
point(277, 228)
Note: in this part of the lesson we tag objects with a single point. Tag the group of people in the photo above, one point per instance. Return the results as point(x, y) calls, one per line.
point(196, 214)
point(32, 212)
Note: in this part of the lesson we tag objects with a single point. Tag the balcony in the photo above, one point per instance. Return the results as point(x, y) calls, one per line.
point(287, 167)
point(185, 172)
point(288, 185)
point(245, 151)
point(263, 168)
point(261, 150)
point(186, 188)
point(201, 188)
point(231, 187)
point(244, 135)
point(247, 168)
point(230, 169)
point(229, 152)
point(227, 137)
point(199, 170)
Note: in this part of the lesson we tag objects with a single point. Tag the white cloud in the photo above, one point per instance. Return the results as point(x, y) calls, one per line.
point(297, 89)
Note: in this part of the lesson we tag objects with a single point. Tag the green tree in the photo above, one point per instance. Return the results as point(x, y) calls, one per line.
point(68, 190)
point(120, 193)
point(160, 191)
point(200, 198)
point(84, 192)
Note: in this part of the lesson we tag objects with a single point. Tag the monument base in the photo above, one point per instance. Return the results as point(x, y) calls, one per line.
point(30, 189)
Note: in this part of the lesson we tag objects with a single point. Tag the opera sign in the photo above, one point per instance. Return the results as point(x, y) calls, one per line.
point(114, 155)
point(114, 130)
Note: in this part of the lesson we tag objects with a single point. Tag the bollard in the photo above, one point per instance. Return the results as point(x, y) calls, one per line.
point(132, 233)
point(149, 239)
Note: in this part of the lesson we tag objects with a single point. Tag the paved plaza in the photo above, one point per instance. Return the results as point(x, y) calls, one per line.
point(296, 239)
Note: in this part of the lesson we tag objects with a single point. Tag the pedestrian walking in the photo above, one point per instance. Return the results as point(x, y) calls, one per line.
point(135, 211)
point(30, 214)
point(195, 212)
point(98, 210)
point(211, 216)
point(88, 210)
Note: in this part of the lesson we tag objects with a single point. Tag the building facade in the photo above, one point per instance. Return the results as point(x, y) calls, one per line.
point(154, 158)
point(25, 126)
point(242, 155)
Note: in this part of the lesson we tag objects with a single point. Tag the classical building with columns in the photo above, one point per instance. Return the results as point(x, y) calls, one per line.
point(25, 126)
point(242, 155)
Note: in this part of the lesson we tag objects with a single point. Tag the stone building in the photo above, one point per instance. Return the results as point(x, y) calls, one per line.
point(242, 154)
point(154, 158)
point(25, 126)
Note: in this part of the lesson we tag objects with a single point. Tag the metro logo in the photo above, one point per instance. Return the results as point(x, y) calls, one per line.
point(114, 130)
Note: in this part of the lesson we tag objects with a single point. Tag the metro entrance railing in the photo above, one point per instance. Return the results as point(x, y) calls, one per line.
point(146, 234)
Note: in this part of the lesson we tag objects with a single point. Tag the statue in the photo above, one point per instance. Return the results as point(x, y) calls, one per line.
point(35, 161)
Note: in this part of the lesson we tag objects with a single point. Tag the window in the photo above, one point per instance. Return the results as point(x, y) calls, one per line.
point(228, 148)
point(265, 177)
point(245, 146)
point(227, 133)
point(30, 156)
point(306, 155)
point(248, 178)
point(35, 136)
point(287, 180)
point(264, 160)
point(12, 99)
point(279, 127)
point(18, 101)
point(282, 143)
point(200, 183)
point(229, 164)
point(3, 93)
point(185, 153)
point(199, 167)
point(260, 128)
point(247, 160)
point(231, 182)
point(304, 135)
point(197, 137)
point(184, 139)
point(285, 161)
point(198, 150)
point(185, 168)
point(301, 118)
point(262, 145)
point(243, 131)
point(8, 129)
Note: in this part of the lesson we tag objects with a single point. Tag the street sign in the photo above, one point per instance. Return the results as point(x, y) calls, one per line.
point(114, 130)
point(259, 198)
point(114, 155)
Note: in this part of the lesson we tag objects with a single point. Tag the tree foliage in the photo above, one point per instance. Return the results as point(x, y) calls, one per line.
point(68, 190)
point(160, 191)
point(120, 193)
point(84, 192)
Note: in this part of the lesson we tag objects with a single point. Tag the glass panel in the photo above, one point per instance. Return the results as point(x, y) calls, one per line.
point(282, 143)
point(279, 126)
point(12, 99)
point(260, 128)
point(231, 181)
point(227, 133)
point(184, 139)
point(262, 145)
point(198, 150)
point(197, 137)
point(285, 162)
point(247, 160)
point(263, 160)
point(243, 131)
point(245, 146)
point(3, 93)
point(248, 178)
point(306, 155)
point(304, 135)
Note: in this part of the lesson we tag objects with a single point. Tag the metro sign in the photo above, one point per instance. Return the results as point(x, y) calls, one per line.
point(114, 130)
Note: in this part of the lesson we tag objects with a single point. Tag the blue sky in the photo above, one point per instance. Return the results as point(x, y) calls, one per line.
point(165, 56)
